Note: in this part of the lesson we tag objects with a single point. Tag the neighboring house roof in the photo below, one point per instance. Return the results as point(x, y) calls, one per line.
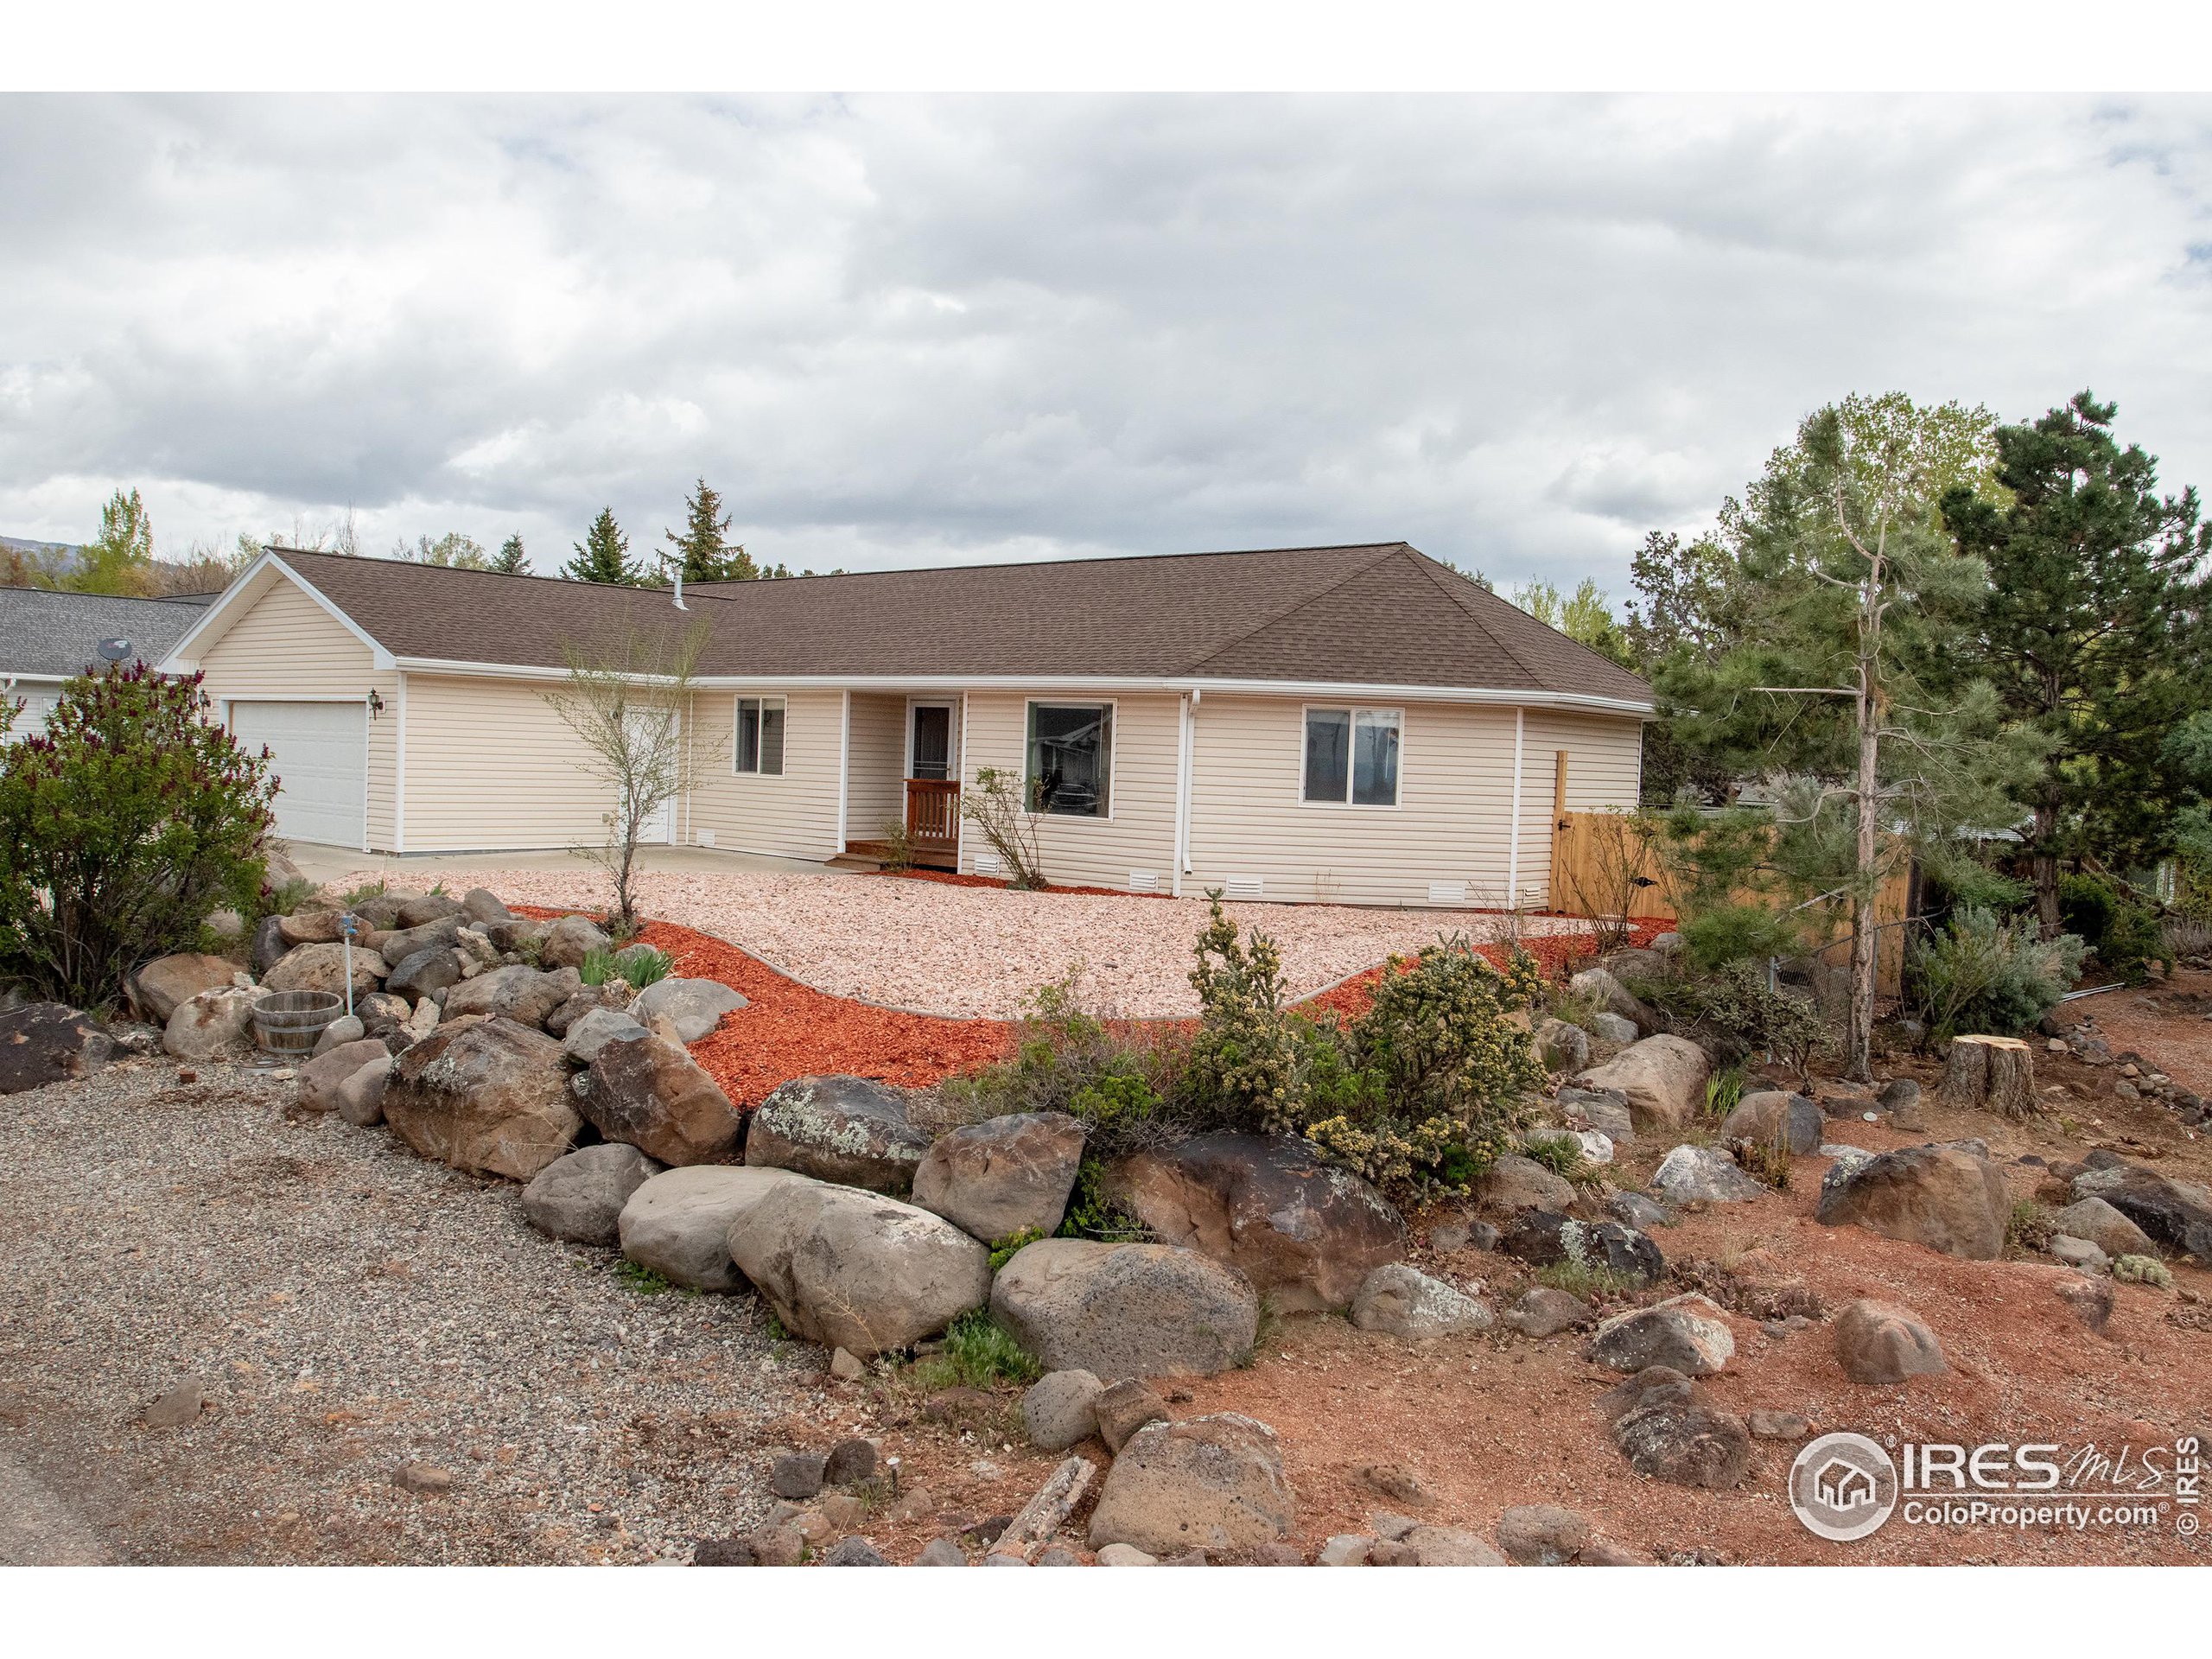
point(43, 632)
point(1382, 615)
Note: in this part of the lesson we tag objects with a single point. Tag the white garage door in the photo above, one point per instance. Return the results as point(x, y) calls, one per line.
point(320, 754)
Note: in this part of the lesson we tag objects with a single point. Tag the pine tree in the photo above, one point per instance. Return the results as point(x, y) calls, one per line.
point(2091, 631)
point(120, 559)
point(603, 555)
point(510, 560)
point(1842, 688)
point(707, 557)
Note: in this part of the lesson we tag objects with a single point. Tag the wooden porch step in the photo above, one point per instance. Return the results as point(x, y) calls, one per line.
point(925, 856)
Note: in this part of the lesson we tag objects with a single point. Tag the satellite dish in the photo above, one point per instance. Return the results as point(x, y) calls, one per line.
point(114, 650)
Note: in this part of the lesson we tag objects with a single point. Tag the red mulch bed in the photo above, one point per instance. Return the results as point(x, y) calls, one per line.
point(790, 1030)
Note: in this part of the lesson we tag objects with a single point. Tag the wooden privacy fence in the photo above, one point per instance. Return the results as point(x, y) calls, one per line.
point(1591, 858)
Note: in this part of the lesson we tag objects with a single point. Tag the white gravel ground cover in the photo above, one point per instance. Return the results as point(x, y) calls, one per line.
point(350, 1308)
point(936, 947)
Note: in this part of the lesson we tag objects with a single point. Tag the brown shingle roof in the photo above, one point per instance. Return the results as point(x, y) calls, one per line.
point(1377, 614)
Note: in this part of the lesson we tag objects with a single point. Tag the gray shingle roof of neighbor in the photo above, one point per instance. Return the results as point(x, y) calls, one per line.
point(47, 633)
point(1381, 613)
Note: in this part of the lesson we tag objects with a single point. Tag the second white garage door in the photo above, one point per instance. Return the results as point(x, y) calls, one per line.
point(320, 754)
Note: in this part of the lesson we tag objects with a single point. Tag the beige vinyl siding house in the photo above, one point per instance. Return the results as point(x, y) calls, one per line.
point(1350, 725)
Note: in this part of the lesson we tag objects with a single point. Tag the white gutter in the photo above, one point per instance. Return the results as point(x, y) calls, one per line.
point(844, 772)
point(959, 818)
point(962, 682)
point(399, 769)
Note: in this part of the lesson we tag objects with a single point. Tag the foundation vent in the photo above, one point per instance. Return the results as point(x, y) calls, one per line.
point(1144, 881)
point(989, 864)
point(1451, 893)
point(1241, 887)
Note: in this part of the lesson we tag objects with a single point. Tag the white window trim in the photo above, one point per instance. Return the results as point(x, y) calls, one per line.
point(1113, 757)
point(1397, 801)
point(736, 709)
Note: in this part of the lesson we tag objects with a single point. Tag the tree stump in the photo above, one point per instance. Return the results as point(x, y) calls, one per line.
point(1998, 1073)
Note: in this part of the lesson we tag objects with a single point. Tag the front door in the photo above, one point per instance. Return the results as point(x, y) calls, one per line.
point(932, 746)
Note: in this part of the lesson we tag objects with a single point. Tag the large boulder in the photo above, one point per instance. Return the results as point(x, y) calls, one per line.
point(1207, 1483)
point(1060, 1409)
point(322, 968)
point(1685, 1332)
point(205, 1025)
point(2178, 1216)
point(2093, 1219)
point(651, 1093)
point(157, 988)
point(1880, 1342)
point(849, 1130)
point(579, 1198)
point(396, 945)
point(1605, 992)
point(1306, 1232)
point(482, 905)
point(612, 996)
point(678, 1223)
point(1514, 1183)
point(269, 944)
point(1949, 1198)
point(486, 1096)
point(1003, 1176)
point(429, 907)
point(323, 1077)
point(568, 942)
point(1695, 1174)
point(1402, 1302)
point(1685, 1442)
point(1561, 1046)
point(594, 1030)
point(517, 991)
point(1776, 1118)
point(434, 968)
point(1119, 1310)
point(316, 925)
point(47, 1042)
point(857, 1270)
point(695, 1005)
point(1544, 1239)
point(1663, 1079)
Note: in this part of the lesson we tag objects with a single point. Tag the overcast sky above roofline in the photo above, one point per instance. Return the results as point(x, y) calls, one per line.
point(1515, 332)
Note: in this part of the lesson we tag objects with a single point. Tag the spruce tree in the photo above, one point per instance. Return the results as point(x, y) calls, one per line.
point(2091, 632)
point(706, 555)
point(603, 555)
point(510, 560)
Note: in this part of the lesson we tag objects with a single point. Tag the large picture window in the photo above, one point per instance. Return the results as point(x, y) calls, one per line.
point(1351, 756)
point(759, 746)
point(1071, 758)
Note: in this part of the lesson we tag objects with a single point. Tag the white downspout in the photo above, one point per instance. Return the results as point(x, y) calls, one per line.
point(959, 818)
point(399, 768)
point(844, 769)
point(1182, 790)
point(1513, 841)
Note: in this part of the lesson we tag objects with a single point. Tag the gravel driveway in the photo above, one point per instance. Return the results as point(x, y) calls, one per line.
point(973, 952)
point(350, 1309)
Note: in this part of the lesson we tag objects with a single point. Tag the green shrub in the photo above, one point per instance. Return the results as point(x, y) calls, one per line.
point(644, 964)
point(1981, 975)
point(121, 827)
point(2133, 940)
point(2086, 904)
point(1093, 1211)
point(361, 895)
point(647, 1282)
point(1115, 1077)
point(978, 1352)
point(1736, 1011)
point(1738, 933)
point(1003, 1250)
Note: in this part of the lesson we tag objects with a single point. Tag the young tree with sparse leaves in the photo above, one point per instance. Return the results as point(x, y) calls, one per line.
point(120, 559)
point(626, 697)
point(603, 555)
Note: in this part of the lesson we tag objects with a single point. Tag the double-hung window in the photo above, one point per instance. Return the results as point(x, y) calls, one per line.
point(760, 745)
point(1351, 756)
point(1071, 759)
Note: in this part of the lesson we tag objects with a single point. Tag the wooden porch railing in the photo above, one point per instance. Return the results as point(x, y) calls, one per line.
point(932, 811)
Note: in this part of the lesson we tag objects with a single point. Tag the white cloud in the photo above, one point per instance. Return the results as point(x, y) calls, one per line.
point(1517, 331)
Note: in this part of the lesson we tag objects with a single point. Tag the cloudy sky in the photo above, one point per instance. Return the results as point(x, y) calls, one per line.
point(1517, 332)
